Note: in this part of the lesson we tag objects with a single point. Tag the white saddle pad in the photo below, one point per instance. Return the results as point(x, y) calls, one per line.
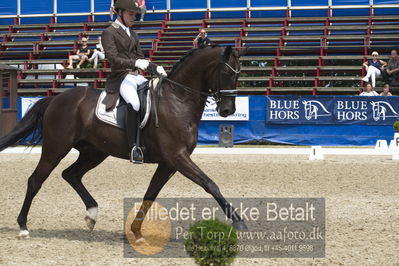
point(102, 114)
point(110, 116)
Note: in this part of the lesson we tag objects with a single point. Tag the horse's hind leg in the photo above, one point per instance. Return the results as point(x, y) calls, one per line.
point(88, 159)
point(48, 161)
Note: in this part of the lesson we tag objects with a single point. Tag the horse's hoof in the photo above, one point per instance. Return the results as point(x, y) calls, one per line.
point(140, 241)
point(240, 226)
point(23, 235)
point(90, 223)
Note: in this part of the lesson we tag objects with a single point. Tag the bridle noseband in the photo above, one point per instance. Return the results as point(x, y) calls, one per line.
point(218, 93)
point(236, 71)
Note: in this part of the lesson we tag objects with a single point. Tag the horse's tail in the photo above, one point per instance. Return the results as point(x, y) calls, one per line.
point(31, 123)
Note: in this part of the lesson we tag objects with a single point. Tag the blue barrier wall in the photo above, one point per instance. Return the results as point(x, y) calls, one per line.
point(36, 7)
point(351, 12)
point(6, 102)
point(74, 6)
point(183, 4)
point(256, 129)
point(270, 3)
point(8, 7)
point(308, 13)
point(226, 4)
point(332, 110)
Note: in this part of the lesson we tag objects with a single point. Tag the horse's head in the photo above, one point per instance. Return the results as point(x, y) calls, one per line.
point(212, 70)
point(224, 81)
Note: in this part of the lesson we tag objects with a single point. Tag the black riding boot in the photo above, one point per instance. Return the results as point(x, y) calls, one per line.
point(136, 154)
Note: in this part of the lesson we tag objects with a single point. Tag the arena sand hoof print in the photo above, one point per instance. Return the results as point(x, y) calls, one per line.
point(23, 235)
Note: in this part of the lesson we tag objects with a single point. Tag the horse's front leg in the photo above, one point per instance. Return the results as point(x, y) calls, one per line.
point(159, 179)
point(188, 168)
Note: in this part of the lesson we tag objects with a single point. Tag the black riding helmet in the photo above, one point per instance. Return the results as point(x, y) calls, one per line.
point(126, 5)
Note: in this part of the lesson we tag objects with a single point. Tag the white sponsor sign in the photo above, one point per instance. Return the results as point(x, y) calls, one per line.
point(241, 114)
point(27, 103)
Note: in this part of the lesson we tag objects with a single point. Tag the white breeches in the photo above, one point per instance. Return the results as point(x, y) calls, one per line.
point(373, 72)
point(128, 89)
point(97, 55)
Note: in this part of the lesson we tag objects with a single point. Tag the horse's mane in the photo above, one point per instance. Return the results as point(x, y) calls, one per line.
point(187, 55)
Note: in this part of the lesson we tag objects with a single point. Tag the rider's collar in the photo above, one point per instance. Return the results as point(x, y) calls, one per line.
point(126, 29)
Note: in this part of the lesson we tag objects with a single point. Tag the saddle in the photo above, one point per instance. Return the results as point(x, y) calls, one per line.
point(116, 117)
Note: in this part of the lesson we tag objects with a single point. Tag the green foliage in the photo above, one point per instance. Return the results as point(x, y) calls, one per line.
point(212, 242)
point(87, 65)
point(396, 126)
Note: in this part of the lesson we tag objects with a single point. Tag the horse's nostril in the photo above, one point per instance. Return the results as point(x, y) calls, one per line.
point(225, 112)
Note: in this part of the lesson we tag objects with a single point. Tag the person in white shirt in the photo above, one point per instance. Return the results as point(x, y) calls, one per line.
point(373, 67)
point(98, 53)
point(369, 91)
point(386, 91)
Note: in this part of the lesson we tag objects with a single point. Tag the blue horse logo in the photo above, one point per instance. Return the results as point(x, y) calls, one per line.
point(382, 110)
point(315, 109)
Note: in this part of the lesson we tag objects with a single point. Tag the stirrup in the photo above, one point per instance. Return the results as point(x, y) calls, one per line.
point(136, 155)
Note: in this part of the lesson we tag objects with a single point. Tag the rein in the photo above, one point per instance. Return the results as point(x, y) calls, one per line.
point(186, 88)
point(215, 94)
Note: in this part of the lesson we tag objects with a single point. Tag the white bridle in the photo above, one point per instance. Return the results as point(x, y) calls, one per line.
point(237, 71)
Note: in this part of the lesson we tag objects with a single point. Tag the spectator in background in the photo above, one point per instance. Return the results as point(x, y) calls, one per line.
point(373, 67)
point(369, 91)
point(143, 9)
point(98, 53)
point(82, 54)
point(386, 91)
point(84, 36)
point(202, 39)
point(392, 69)
point(112, 10)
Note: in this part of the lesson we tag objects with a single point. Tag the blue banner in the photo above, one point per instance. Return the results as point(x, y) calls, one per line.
point(332, 110)
point(255, 129)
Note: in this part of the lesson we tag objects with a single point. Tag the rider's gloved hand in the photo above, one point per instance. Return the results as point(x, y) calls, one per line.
point(142, 64)
point(146, 65)
point(161, 71)
point(156, 70)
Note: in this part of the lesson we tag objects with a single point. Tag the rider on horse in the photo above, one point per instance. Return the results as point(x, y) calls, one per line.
point(122, 48)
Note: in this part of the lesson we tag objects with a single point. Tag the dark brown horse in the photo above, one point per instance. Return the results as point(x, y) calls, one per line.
point(68, 121)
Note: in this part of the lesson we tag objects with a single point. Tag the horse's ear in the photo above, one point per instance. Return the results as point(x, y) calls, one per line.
point(242, 51)
point(227, 53)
